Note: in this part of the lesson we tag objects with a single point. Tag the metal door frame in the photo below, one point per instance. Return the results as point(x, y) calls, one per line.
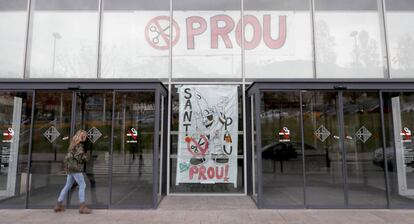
point(339, 86)
point(110, 85)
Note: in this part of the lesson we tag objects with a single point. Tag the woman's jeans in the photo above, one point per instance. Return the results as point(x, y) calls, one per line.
point(78, 177)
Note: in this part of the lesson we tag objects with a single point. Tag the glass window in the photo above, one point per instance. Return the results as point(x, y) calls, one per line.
point(64, 39)
point(399, 15)
point(348, 39)
point(278, 39)
point(15, 120)
point(135, 40)
point(206, 39)
point(13, 16)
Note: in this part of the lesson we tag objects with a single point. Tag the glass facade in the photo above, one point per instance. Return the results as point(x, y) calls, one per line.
point(63, 39)
point(348, 39)
point(127, 50)
point(400, 39)
point(208, 40)
point(13, 26)
point(193, 40)
point(278, 39)
point(233, 42)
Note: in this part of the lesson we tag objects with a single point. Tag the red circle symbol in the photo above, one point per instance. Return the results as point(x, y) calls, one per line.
point(187, 139)
point(158, 32)
point(196, 147)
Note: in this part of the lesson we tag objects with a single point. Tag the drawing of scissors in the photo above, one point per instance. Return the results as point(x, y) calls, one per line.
point(154, 29)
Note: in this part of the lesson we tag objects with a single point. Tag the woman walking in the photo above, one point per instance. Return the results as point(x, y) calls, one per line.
point(74, 165)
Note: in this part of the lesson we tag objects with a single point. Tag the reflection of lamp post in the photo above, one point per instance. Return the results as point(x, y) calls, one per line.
point(354, 34)
point(55, 37)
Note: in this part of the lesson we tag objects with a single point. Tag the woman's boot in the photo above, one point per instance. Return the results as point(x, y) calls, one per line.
point(83, 209)
point(59, 207)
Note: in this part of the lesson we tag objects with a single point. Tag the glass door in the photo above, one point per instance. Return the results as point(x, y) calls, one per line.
point(322, 149)
point(50, 140)
point(342, 132)
point(121, 135)
point(132, 157)
point(402, 116)
point(93, 113)
point(399, 152)
point(281, 149)
point(125, 141)
point(363, 137)
point(15, 120)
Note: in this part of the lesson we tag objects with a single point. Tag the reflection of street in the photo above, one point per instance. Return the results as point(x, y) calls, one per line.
point(54, 120)
point(92, 109)
point(321, 181)
point(324, 172)
point(135, 151)
point(139, 168)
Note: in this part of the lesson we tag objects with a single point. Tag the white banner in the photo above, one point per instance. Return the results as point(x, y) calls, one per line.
point(207, 139)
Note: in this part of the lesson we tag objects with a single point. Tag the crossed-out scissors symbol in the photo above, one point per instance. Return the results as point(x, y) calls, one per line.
point(155, 29)
point(158, 33)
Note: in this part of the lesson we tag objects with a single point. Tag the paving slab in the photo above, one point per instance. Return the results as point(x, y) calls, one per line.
point(210, 210)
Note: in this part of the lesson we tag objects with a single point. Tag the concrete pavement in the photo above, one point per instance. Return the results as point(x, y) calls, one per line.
point(212, 210)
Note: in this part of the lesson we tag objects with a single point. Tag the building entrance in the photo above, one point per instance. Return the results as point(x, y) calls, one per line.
point(341, 131)
point(329, 140)
point(325, 148)
point(125, 143)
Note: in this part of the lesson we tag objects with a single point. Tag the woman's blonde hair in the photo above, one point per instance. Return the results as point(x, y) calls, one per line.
point(76, 139)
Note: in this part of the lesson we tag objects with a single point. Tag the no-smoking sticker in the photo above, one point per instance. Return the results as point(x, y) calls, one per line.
point(158, 32)
point(8, 135)
point(406, 134)
point(284, 135)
